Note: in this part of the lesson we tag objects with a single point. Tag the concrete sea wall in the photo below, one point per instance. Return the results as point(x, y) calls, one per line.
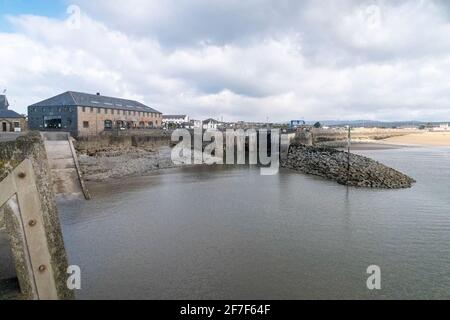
point(12, 154)
point(333, 164)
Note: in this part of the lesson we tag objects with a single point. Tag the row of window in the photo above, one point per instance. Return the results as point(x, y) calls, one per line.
point(123, 112)
point(122, 124)
point(53, 109)
point(99, 110)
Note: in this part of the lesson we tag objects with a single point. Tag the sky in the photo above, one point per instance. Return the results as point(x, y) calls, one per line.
point(235, 60)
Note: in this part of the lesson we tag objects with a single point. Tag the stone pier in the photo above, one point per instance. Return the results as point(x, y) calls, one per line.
point(29, 216)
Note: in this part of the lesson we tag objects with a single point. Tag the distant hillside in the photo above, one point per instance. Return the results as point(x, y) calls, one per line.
point(372, 123)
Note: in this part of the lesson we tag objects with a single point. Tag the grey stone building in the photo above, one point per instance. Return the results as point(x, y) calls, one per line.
point(84, 114)
point(10, 121)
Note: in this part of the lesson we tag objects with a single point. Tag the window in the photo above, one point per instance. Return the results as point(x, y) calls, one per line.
point(92, 109)
point(53, 122)
point(99, 110)
point(112, 111)
point(16, 125)
point(106, 111)
point(85, 124)
point(84, 109)
point(108, 124)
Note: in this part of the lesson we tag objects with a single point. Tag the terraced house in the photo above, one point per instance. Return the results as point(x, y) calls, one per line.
point(84, 114)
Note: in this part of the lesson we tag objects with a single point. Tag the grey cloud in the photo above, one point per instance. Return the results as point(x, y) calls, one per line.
point(243, 59)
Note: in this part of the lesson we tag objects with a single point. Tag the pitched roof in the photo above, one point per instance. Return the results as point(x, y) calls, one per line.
point(71, 98)
point(211, 120)
point(3, 102)
point(9, 114)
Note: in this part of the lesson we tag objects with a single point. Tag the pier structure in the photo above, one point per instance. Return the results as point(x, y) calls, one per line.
point(29, 217)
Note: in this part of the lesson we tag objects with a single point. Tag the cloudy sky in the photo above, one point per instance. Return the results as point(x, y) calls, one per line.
point(234, 59)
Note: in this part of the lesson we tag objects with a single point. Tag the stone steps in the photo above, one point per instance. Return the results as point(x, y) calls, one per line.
point(65, 177)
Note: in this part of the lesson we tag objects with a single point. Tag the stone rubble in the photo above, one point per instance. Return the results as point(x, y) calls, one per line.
point(333, 164)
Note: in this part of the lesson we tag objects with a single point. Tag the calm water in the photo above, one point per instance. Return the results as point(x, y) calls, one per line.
point(213, 233)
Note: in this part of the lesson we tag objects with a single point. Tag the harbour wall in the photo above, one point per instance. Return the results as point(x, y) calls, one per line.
point(335, 165)
point(13, 154)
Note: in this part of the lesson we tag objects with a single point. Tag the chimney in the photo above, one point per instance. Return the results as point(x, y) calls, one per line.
point(98, 93)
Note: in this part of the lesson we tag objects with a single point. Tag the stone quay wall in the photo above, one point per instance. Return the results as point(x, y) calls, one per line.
point(93, 144)
point(12, 153)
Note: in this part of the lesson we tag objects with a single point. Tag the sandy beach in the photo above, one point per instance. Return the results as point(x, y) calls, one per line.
point(436, 139)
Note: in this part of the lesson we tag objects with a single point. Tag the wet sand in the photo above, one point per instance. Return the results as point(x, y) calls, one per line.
point(373, 146)
point(435, 139)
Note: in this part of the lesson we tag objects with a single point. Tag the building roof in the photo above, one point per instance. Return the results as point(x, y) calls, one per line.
point(71, 98)
point(3, 102)
point(211, 120)
point(10, 114)
point(181, 116)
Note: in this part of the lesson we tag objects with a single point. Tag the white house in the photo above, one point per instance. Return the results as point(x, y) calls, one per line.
point(175, 119)
point(194, 124)
point(441, 127)
point(210, 124)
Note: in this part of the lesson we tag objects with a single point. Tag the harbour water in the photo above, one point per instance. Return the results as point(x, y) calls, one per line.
point(230, 233)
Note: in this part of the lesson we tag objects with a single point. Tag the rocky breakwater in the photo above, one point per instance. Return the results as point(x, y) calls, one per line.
point(333, 164)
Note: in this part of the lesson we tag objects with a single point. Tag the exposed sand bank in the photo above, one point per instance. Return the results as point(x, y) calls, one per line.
point(436, 139)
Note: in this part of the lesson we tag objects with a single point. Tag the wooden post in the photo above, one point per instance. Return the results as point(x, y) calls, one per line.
point(21, 204)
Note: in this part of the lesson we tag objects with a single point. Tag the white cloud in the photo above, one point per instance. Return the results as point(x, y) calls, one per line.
point(241, 60)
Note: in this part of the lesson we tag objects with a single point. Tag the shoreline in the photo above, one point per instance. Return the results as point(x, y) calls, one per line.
point(127, 162)
point(425, 139)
